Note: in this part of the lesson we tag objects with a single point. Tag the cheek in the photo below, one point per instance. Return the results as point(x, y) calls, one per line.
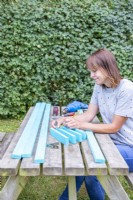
point(101, 75)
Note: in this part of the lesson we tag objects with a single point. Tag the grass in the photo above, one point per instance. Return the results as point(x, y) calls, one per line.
point(46, 187)
point(43, 188)
point(9, 125)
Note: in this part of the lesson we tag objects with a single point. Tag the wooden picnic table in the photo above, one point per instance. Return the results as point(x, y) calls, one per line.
point(71, 160)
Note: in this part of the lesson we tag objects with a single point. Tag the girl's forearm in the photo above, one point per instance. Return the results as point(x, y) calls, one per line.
point(98, 128)
point(85, 117)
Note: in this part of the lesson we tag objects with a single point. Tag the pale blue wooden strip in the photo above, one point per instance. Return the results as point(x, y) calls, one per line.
point(59, 136)
point(80, 111)
point(95, 149)
point(17, 153)
point(78, 135)
point(41, 146)
point(29, 144)
point(82, 132)
point(72, 137)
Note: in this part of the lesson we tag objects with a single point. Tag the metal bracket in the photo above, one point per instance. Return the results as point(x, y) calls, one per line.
point(54, 145)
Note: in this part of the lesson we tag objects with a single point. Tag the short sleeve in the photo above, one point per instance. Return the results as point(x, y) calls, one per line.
point(124, 106)
point(94, 97)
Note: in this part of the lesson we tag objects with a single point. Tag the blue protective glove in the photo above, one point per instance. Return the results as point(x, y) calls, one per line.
point(74, 106)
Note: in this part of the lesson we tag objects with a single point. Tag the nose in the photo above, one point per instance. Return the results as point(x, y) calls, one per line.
point(92, 74)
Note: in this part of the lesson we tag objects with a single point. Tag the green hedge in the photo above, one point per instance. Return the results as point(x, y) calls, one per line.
point(44, 46)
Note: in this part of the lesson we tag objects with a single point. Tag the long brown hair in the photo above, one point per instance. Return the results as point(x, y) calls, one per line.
point(104, 60)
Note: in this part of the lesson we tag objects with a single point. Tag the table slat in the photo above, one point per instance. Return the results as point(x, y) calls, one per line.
point(53, 158)
point(2, 135)
point(73, 163)
point(28, 167)
point(5, 143)
point(9, 166)
point(116, 164)
point(92, 167)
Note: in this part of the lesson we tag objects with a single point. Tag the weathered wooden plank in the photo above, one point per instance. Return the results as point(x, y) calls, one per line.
point(73, 163)
point(28, 149)
point(116, 163)
point(5, 143)
point(53, 158)
point(13, 188)
point(129, 178)
point(9, 166)
point(2, 135)
point(95, 149)
point(92, 167)
point(20, 146)
point(41, 146)
point(29, 168)
point(113, 187)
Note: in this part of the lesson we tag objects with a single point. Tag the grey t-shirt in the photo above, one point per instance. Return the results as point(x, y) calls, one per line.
point(116, 101)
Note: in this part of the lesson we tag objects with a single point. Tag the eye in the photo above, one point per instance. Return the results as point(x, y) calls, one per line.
point(94, 70)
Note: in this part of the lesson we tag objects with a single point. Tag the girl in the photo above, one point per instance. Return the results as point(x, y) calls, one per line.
point(113, 98)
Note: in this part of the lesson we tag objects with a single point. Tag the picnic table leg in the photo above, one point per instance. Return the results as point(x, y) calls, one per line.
point(72, 188)
point(113, 187)
point(13, 187)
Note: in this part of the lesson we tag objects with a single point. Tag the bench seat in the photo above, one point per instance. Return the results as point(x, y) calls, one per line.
point(129, 178)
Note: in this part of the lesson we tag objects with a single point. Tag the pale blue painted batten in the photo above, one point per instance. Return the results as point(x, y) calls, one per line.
point(72, 137)
point(29, 144)
point(59, 136)
point(95, 149)
point(17, 153)
point(80, 111)
point(78, 135)
point(84, 136)
point(41, 146)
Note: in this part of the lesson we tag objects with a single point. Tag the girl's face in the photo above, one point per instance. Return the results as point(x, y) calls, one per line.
point(100, 77)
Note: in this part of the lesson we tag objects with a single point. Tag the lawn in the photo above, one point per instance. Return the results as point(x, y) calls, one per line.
point(45, 187)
